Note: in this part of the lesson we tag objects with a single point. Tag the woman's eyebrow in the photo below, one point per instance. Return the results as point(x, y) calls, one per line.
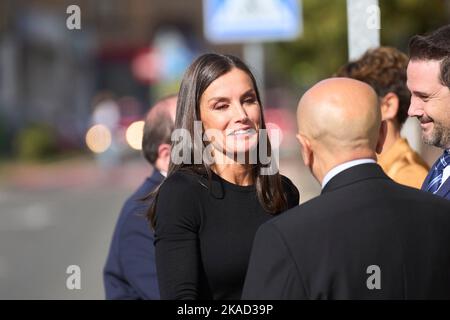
point(249, 92)
point(218, 99)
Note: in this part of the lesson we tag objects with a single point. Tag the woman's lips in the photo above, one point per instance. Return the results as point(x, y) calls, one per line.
point(242, 132)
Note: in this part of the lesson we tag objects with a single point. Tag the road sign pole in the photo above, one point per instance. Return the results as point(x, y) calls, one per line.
point(363, 18)
point(364, 24)
point(253, 55)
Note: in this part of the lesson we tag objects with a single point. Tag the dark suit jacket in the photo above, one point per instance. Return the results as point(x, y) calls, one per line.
point(130, 271)
point(323, 248)
point(444, 190)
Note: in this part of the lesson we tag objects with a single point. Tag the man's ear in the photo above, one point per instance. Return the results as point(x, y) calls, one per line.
point(305, 149)
point(381, 137)
point(389, 106)
point(164, 150)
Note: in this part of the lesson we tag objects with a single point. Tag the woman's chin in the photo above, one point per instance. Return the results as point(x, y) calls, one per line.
point(242, 144)
point(243, 155)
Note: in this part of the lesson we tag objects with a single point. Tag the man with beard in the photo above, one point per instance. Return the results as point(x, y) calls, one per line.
point(428, 76)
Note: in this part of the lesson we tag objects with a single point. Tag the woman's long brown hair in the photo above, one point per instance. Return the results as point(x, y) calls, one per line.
point(201, 73)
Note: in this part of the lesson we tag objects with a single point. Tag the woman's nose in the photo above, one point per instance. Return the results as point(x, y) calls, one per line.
point(240, 112)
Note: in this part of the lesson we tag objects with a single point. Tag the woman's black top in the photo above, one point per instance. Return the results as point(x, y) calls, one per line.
point(204, 234)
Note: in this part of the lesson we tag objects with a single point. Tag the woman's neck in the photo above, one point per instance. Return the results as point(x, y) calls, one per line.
point(235, 173)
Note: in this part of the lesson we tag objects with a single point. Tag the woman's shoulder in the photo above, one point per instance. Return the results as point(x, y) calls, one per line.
point(183, 180)
point(287, 183)
point(291, 191)
point(178, 198)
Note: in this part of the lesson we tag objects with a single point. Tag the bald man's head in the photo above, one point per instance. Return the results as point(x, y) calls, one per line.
point(340, 113)
point(340, 119)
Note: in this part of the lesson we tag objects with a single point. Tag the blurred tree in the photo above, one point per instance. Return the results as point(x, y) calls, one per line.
point(323, 46)
point(36, 142)
point(401, 19)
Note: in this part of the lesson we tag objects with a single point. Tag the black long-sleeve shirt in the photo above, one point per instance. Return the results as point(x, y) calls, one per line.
point(204, 234)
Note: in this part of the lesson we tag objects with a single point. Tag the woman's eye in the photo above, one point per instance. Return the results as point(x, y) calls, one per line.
point(220, 106)
point(250, 100)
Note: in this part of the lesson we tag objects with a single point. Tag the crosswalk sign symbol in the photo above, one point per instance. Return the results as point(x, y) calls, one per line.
point(229, 21)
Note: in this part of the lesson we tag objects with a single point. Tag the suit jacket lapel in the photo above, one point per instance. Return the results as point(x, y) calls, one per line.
point(353, 175)
point(426, 181)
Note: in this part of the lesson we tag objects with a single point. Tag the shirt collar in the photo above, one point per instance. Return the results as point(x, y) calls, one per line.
point(343, 166)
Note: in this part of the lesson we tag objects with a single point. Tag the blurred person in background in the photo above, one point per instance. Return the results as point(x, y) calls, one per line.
point(365, 236)
point(429, 82)
point(130, 272)
point(206, 213)
point(384, 69)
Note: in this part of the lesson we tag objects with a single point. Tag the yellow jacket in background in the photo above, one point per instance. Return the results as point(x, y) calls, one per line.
point(403, 165)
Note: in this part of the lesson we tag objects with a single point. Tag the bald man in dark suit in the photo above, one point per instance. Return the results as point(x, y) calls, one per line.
point(365, 236)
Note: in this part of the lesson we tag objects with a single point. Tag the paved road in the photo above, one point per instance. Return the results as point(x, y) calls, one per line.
point(55, 216)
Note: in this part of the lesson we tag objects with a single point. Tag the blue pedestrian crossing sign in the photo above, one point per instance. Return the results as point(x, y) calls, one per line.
point(236, 21)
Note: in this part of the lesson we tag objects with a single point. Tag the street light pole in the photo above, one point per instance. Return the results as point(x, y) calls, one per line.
point(363, 27)
point(253, 55)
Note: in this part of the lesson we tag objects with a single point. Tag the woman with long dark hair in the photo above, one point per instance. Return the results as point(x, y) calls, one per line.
point(220, 188)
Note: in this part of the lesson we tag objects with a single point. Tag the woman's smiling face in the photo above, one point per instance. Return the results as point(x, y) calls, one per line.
point(230, 113)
